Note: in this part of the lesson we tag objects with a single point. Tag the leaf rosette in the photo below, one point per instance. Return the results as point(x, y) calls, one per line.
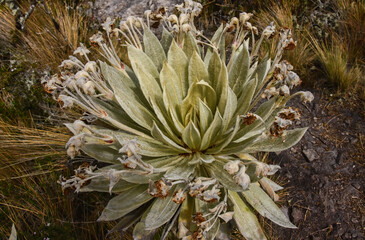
point(178, 125)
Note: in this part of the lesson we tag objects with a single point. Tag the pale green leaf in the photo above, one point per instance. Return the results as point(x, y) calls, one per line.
point(205, 117)
point(172, 88)
point(238, 73)
point(101, 153)
point(191, 136)
point(227, 139)
point(140, 232)
point(138, 56)
point(197, 70)
point(158, 134)
point(214, 69)
point(153, 48)
point(213, 131)
point(230, 109)
point(162, 210)
point(277, 144)
point(181, 171)
point(177, 59)
point(216, 169)
point(244, 100)
point(246, 221)
point(166, 40)
point(264, 205)
point(126, 95)
point(222, 88)
point(125, 202)
point(190, 45)
point(101, 184)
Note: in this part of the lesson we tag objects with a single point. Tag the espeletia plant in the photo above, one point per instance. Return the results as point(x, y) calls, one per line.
point(177, 127)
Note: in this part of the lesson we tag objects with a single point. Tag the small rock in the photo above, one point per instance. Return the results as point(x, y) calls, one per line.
point(297, 215)
point(310, 155)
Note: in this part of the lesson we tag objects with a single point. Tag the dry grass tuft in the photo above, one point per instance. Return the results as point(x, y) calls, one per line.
point(31, 161)
point(52, 32)
point(283, 16)
point(334, 61)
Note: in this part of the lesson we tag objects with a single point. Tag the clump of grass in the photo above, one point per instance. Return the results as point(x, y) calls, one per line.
point(283, 15)
point(352, 28)
point(52, 32)
point(32, 158)
point(333, 58)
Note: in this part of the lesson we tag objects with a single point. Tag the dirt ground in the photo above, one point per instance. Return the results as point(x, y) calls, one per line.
point(325, 172)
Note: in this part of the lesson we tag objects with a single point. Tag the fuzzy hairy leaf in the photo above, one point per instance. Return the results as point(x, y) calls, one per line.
point(191, 136)
point(127, 98)
point(245, 219)
point(239, 70)
point(263, 204)
point(125, 202)
point(177, 59)
point(153, 48)
point(277, 144)
point(216, 169)
point(166, 40)
point(162, 210)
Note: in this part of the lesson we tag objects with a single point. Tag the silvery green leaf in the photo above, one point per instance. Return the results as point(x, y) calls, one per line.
point(177, 59)
point(198, 91)
point(162, 210)
point(262, 71)
point(140, 177)
point(158, 134)
point(126, 96)
point(190, 45)
point(214, 69)
point(245, 219)
point(205, 117)
point(128, 220)
point(230, 109)
point(152, 91)
point(213, 231)
point(273, 185)
point(125, 202)
point(153, 48)
point(101, 184)
point(180, 171)
point(238, 73)
point(246, 97)
point(216, 169)
point(166, 40)
point(216, 39)
point(237, 147)
point(101, 153)
point(138, 56)
point(165, 162)
point(227, 140)
point(13, 235)
point(222, 88)
point(117, 116)
point(186, 212)
point(191, 136)
point(147, 147)
point(264, 111)
point(277, 144)
point(212, 132)
point(268, 189)
point(172, 87)
point(140, 232)
point(197, 70)
point(264, 205)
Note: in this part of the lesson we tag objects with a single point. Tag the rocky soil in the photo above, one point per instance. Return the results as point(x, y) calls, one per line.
point(325, 172)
